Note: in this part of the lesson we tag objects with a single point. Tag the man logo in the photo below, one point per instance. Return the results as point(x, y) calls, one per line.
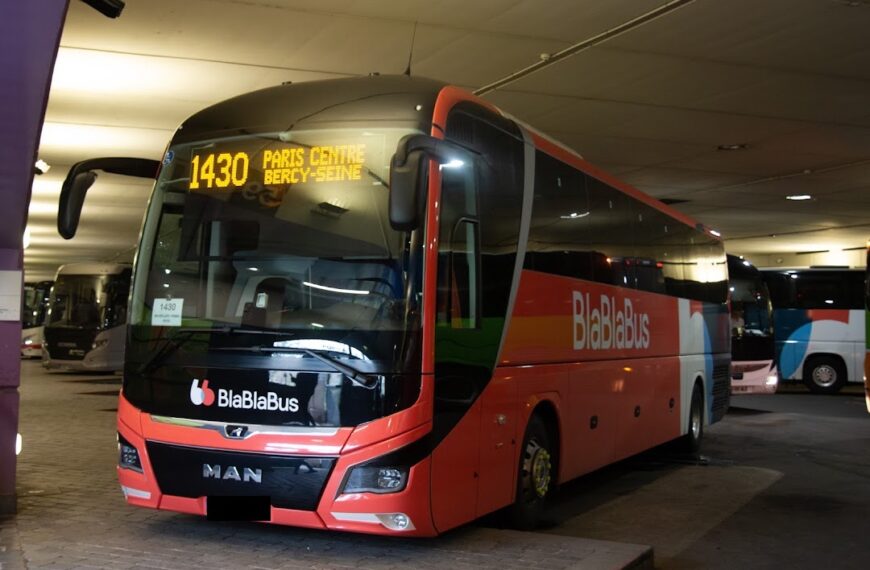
point(201, 395)
point(236, 432)
point(231, 473)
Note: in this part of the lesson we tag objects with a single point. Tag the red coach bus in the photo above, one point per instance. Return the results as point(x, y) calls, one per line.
point(381, 305)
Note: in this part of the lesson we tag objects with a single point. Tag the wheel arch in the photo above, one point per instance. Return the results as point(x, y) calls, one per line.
point(817, 355)
point(548, 410)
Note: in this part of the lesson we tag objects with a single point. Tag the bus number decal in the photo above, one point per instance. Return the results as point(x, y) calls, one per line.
point(166, 312)
point(223, 170)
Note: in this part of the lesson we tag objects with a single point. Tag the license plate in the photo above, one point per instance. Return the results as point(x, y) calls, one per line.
point(219, 508)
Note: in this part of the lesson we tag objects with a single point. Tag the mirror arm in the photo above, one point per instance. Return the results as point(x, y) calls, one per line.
point(82, 176)
point(440, 149)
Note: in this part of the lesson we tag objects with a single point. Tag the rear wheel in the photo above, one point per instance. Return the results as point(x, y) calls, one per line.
point(824, 374)
point(535, 476)
point(691, 442)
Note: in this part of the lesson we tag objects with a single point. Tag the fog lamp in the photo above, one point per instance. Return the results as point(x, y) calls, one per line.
point(771, 380)
point(396, 521)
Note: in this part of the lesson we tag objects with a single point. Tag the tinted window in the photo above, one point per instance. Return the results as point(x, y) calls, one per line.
point(658, 262)
point(816, 289)
point(500, 190)
point(705, 271)
point(611, 230)
point(582, 227)
point(458, 292)
point(559, 237)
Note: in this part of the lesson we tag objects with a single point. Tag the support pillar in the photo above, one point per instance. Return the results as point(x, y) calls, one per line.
point(29, 37)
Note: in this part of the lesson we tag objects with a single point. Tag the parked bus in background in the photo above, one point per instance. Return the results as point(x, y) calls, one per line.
point(87, 317)
point(380, 305)
point(866, 331)
point(753, 367)
point(33, 318)
point(819, 322)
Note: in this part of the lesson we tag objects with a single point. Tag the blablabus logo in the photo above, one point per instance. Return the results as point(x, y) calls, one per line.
point(201, 394)
point(602, 324)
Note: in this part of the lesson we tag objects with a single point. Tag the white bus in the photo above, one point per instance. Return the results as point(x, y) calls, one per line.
point(87, 317)
point(819, 325)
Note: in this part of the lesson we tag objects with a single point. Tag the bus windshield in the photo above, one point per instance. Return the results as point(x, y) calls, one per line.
point(94, 302)
point(279, 248)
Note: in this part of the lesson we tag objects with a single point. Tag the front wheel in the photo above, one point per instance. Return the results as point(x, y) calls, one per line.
point(535, 476)
point(824, 375)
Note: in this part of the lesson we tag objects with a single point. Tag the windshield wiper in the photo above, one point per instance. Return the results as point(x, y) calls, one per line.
point(361, 379)
point(183, 335)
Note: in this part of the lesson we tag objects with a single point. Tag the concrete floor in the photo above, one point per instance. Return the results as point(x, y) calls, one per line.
point(782, 483)
point(72, 513)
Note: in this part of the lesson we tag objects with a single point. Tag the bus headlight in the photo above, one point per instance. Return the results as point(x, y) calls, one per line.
point(771, 380)
point(128, 456)
point(376, 479)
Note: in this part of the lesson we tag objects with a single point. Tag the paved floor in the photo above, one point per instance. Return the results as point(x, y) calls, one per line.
point(72, 514)
point(783, 484)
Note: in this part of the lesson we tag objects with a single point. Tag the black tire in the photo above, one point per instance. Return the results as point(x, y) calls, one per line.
point(534, 476)
point(691, 442)
point(824, 374)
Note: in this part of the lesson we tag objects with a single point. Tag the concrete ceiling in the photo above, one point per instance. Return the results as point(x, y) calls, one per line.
point(790, 79)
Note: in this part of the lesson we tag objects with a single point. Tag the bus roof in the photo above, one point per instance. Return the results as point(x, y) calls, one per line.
point(397, 99)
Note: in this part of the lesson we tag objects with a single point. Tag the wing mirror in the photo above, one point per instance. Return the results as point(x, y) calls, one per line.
point(82, 176)
point(409, 170)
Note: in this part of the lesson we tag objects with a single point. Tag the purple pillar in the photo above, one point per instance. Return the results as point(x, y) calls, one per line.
point(29, 37)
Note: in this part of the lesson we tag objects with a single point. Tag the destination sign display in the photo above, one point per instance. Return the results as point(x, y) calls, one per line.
point(212, 169)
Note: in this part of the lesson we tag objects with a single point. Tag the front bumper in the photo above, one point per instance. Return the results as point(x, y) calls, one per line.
point(310, 499)
point(31, 350)
point(754, 378)
point(84, 365)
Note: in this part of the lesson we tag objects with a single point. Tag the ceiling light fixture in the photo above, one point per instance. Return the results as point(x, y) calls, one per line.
point(799, 197)
point(40, 167)
point(734, 146)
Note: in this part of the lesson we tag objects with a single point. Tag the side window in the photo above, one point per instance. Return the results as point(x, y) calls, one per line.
point(705, 269)
point(829, 290)
point(559, 237)
point(855, 289)
point(611, 226)
point(500, 168)
point(458, 301)
point(652, 248)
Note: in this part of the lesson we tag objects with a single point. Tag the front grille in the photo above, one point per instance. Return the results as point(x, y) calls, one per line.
point(721, 391)
point(68, 344)
point(291, 482)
